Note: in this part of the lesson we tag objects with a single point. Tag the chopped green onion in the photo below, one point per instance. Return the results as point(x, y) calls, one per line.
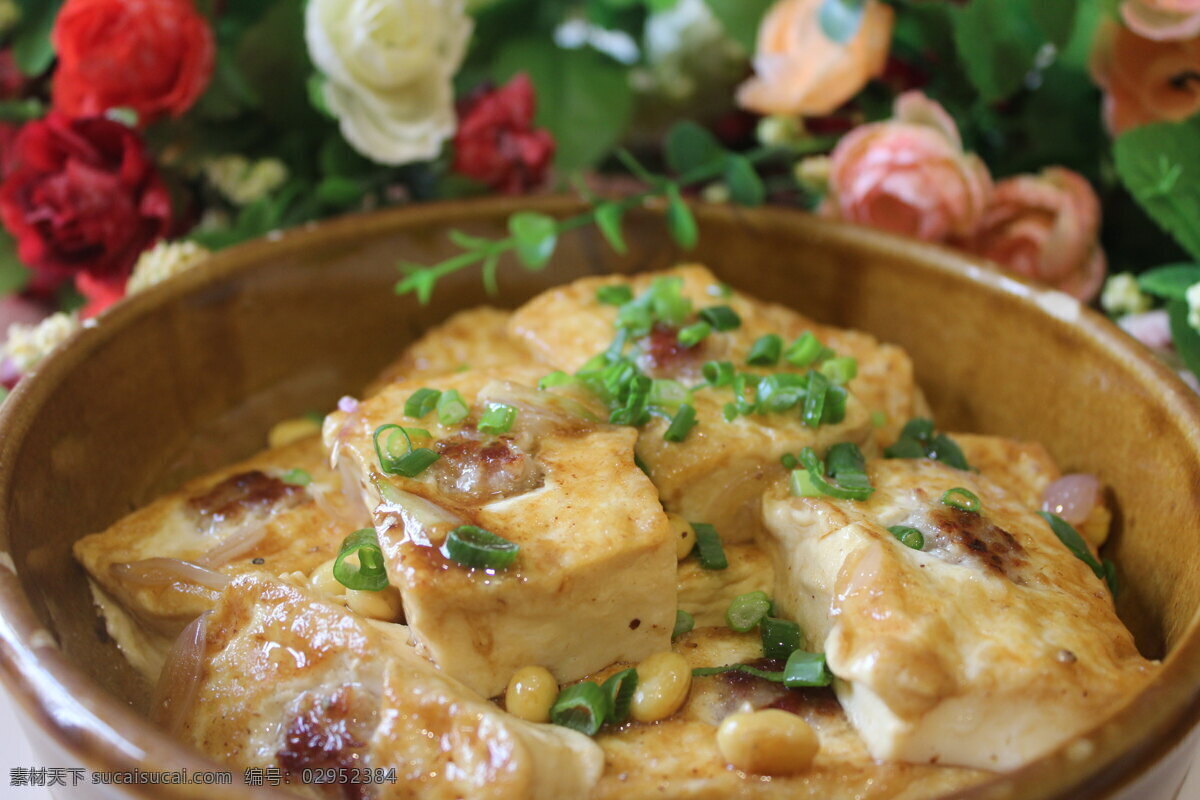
point(789, 461)
point(693, 335)
point(803, 351)
point(909, 537)
point(633, 410)
point(962, 499)
point(835, 405)
point(472, 546)
point(370, 575)
point(556, 378)
point(855, 488)
point(668, 302)
point(1071, 538)
point(620, 688)
point(845, 463)
point(780, 637)
point(806, 669)
point(840, 370)
point(416, 462)
point(722, 318)
point(765, 351)
point(878, 419)
point(637, 461)
point(616, 295)
point(780, 392)
point(665, 392)
point(681, 424)
point(684, 622)
point(582, 707)
point(296, 477)
point(814, 400)
point(718, 373)
point(451, 409)
point(747, 610)
point(719, 290)
point(497, 419)
point(421, 402)
point(765, 674)
point(410, 462)
point(918, 440)
point(730, 412)
point(803, 486)
point(708, 547)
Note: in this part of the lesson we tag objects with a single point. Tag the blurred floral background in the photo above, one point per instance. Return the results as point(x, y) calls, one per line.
point(1059, 139)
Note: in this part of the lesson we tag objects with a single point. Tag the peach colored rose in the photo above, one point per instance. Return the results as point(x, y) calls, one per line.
point(1045, 227)
point(909, 175)
point(1143, 80)
point(1163, 19)
point(799, 70)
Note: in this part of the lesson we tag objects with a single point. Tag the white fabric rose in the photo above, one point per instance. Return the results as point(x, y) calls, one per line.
point(388, 66)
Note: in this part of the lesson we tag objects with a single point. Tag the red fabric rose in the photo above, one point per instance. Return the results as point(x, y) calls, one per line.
point(83, 200)
point(496, 142)
point(153, 56)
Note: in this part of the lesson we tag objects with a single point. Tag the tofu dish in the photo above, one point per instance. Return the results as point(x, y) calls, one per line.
point(643, 537)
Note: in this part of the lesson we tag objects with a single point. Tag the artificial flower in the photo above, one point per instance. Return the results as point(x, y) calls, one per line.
point(496, 142)
point(909, 175)
point(243, 181)
point(388, 67)
point(1151, 328)
point(1144, 80)
point(154, 57)
point(1045, 227)
point(82, 199)
point(27, 344)
point(800, 70)
point(164, 260)
point(691, 62)
point(1122, 295)
point(1163, 19)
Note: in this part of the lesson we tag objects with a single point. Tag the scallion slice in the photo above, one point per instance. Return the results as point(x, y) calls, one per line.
point(780, 637)
point(616, 295)
point(802, 484)
point(582, 707)
point(962, 499)
point(497, 419)
point(421, 402)
point(765, 351)
point(806, 669)
point(835, 405)
point(908, 536)
point(684, 622)
point(620, 688)
point(845, 463)
point(667, 393)
point(765, 674)
point(693, 335)
point(450, 408)
point(296, 477)
point(556, 378)
point(681, 424)
point(722, 318)
point(1073, 541)
point(708, 547)
point(789, 461)
point(718, 374)
point(918, 440)
point(370, 575)
point(814, 400)
point(472, 546)
point(395, 459)
point(803, 351)
point(840, 370)
point(747, 610)
point(856, 488)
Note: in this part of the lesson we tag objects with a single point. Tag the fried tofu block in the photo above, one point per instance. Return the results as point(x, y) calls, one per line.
point(707, 593)
point(1023, 469)
point(720, 470)
point(988, 647)
point(291, 681)
point(167, 562)
point(678, 757)
point(472, 339)
point(594, 581)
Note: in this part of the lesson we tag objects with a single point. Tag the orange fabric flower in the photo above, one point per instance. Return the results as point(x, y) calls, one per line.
point(909, 175)
point(1145, 80)
point(1163, 19)
point(799, 70)
point(1045, 227)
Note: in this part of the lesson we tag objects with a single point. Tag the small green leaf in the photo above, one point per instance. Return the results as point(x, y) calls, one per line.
point(490, 283)
point(1185, 338)
point(608, 220)
point(417, 280)
point(31, 47)
point(13, 274)
point(690, 146)
point(998, 43)
point(1056, 19)
point(21, 110)
point(536, 236)
point(1171, 282)
point(338, 191)
point(841, 19)
point(1160, 165)
point(745, 187)
point(680, 221)
point(740, 18)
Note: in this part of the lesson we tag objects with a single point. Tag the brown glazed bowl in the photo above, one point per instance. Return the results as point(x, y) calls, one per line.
point(191, 374)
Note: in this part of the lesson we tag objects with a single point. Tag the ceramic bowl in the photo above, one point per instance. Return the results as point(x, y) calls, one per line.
point(190, 375)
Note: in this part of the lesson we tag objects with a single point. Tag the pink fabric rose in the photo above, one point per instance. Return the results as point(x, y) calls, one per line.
point(1045, 227)
point(1144, 80)
point(909, 175)
point(1163, 19)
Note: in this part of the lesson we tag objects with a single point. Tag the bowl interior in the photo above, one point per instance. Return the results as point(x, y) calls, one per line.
point(191, 375)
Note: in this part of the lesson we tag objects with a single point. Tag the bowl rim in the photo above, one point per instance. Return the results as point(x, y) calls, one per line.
point(105, 734)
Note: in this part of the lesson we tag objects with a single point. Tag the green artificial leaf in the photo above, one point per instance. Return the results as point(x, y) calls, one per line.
point(1170, 282)
point(690, 146)
point(13, 274)
point(680, 221)
point(998, 43)
point(339, 192)
point(468, 242)
point(583, 98)
point(21, 110)
point(608, 220)
point(228, 94)
point(418, 280)
point(841, 19)
point(1185, 338)
point(745, 187)
point(1160, 165)
point(337, 157)
point(31, 47)
point(276, 70)
point(536, 236)
point(489, 274)
point(740, 18)
point(1055, 18)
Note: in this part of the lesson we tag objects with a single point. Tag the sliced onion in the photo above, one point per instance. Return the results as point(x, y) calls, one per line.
point(179, 682)
point(424, 522)
point(1072, 497)
point(241, 541)
point(165, 571)
point(347, 404)
point(538, 412)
